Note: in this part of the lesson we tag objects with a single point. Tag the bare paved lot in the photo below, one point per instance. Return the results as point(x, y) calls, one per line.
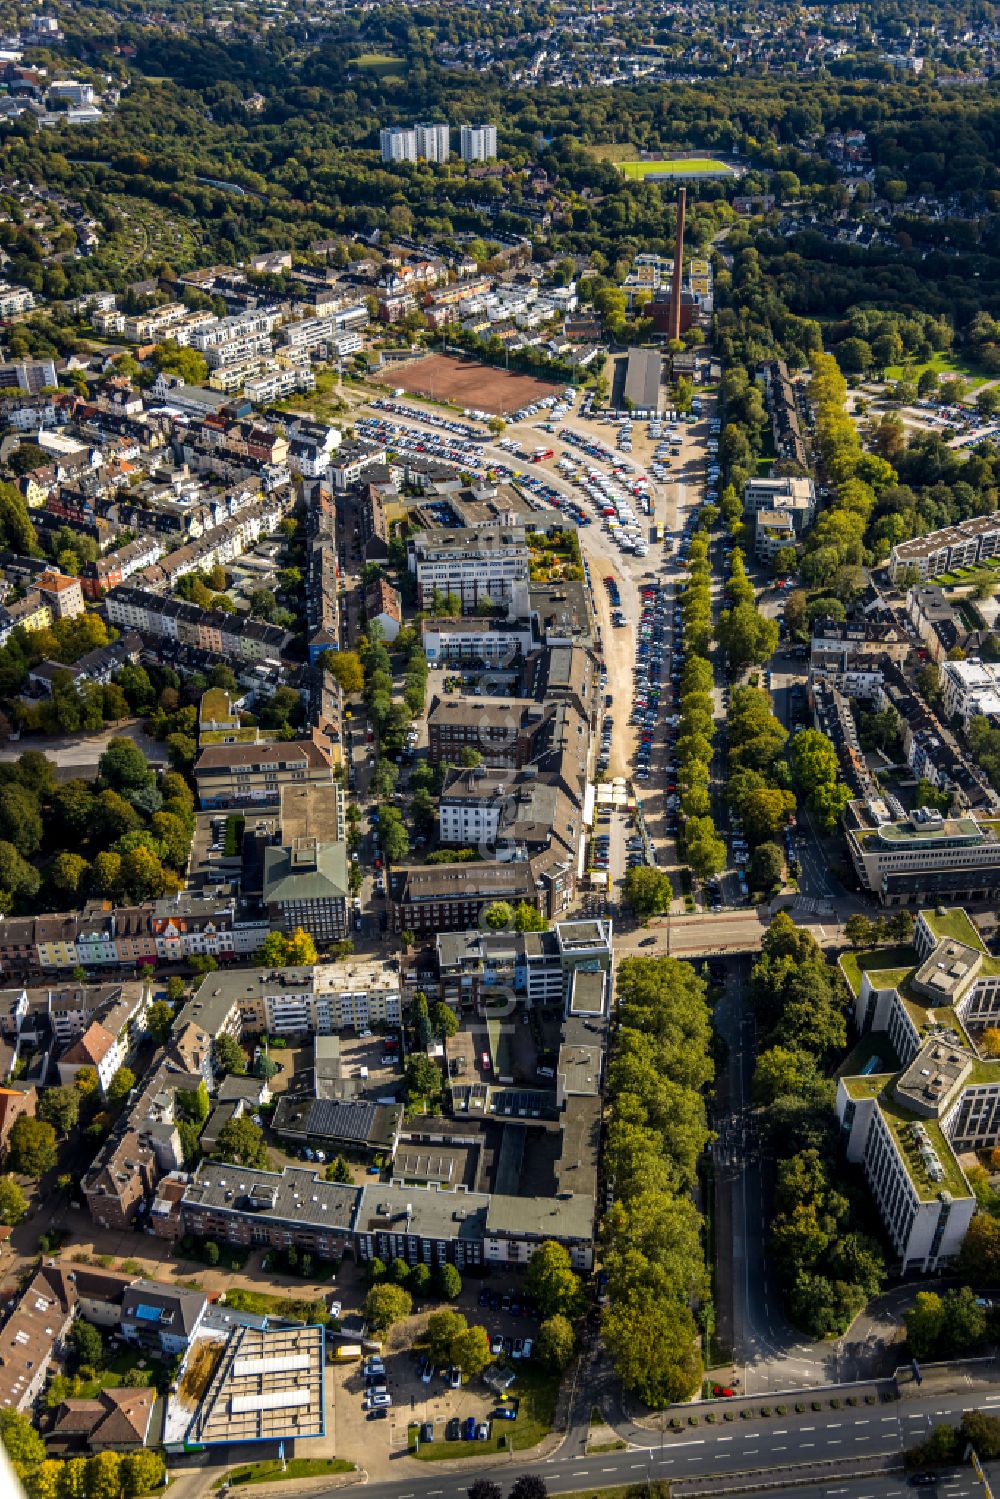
point(467, 383)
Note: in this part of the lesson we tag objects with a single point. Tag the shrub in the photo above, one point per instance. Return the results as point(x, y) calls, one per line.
point(852, 1400)
point(693, 1421)
point(781, 1410)
point(711, 1418)
point(835, 1404)
point(765, 1410)
point(799, 1407)
point(817, 1405)
point(745, 1415)
point(728, 1416)
point(869, 1400)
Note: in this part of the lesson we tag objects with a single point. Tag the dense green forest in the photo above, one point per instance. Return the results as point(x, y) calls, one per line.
point(306, 165)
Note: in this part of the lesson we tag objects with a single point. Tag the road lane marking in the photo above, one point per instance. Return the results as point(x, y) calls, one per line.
point(804, 1445)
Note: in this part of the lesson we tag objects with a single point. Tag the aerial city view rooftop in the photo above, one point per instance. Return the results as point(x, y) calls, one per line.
point(499, 750)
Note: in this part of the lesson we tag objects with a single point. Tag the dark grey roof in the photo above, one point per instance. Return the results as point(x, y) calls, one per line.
point(184, 1308)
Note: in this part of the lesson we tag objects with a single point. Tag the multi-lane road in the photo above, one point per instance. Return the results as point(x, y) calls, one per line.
point(851, 1438)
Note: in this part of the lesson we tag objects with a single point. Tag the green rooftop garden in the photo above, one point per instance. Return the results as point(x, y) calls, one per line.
point(985, 1071)
point(899, 1121)
point(953, 923)
point(867, 1087)
point(897, 959)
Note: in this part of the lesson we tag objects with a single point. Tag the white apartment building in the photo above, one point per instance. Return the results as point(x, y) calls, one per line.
point(427, 141)
point(472, 564)
point(969, 542)
point(225, 330)
point(433, 141)
point(336, 328)
point(355, 992)
point(926, 1221)
point(72, 90)
point(970, 689)
point(237, 350)
point(905, 1127)
point(478, 142)
point(489, 641)
point(470, 820)
point(15, 299)
point(783, 508)
point(277, 383)
point(398, 143)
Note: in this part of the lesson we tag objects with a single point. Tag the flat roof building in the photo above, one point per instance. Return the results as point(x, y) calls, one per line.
point(969, 542)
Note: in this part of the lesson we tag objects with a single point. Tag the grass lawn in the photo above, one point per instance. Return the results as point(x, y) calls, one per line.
point(124, 1370)
point(689, 166)
point(627, 152)
point(270, 1470)
point(381, 63)
point(295, 1307)
point(323, 403)
point(956, 924)
point(943, 364)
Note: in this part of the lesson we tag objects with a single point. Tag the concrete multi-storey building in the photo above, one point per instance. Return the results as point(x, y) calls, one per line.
point(478, 142)
point(783, 508)
point(398, 143)
point(924, 857)
point(451, 897)
point(243, 775)
point(473, 565)
point(970, 689)
point(433, 141)
point(535, 966)
point(925, 1096)
point(969, 542)
point(493, 642)
point(353, 992)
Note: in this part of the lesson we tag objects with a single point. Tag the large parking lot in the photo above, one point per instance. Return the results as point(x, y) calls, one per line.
point(452, 1416)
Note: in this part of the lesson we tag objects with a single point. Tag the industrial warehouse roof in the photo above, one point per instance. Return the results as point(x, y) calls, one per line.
point(267, 1385)
point(642, 378)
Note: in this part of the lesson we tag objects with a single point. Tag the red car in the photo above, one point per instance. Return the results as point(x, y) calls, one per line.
point(723, 1390)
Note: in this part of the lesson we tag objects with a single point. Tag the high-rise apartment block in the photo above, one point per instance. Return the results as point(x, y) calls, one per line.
point(399, 143)
point(433, 142)
point(427, 142)
point(479, 142)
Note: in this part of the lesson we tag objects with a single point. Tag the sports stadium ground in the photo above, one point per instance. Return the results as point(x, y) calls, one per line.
point(684, 166)
point(467, 383)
